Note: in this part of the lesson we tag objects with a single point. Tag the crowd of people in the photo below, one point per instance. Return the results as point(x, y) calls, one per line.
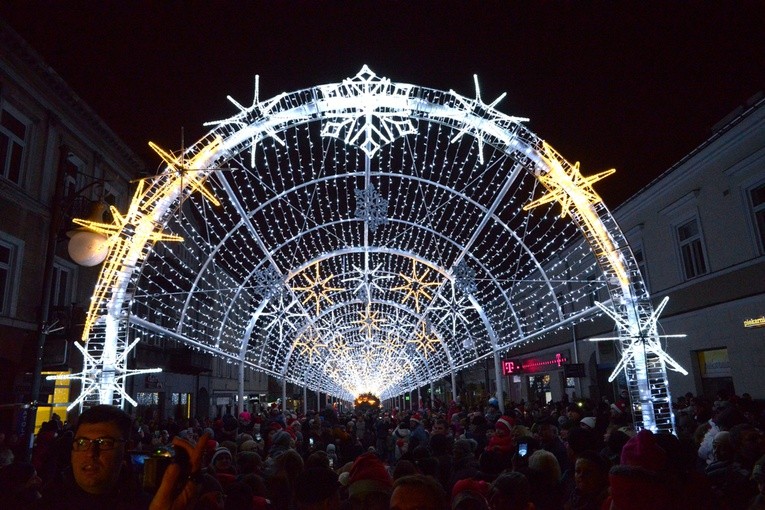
point(556, 456)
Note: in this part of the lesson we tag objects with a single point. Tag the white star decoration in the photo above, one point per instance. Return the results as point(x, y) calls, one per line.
point(643, 338)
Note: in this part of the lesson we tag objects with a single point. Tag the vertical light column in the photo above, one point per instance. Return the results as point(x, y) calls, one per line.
point(498, 381)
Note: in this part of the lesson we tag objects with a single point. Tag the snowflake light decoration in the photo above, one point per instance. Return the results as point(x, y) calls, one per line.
point(371, 207)
point(97, 371)
point(464, 278)
point(371, 126)
point(269, 283)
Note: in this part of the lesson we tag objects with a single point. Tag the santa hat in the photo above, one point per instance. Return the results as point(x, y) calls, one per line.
point(470, 484)
point(505, 423)
point(616, 409)
point(588, 421)
point(416, 417)
point(642, 451)
point(368, 474)
point(469, 488)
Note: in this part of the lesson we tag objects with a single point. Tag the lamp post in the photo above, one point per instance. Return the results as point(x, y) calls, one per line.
point(85, 249)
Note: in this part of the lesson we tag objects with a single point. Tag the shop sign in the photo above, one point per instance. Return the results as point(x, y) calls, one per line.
point(759, 322)
point(533, 365)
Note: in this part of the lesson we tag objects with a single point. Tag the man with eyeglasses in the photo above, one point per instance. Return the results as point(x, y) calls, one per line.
point(100, 476)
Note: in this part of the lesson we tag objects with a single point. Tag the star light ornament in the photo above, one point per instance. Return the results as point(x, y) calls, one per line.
point(567, 186)
point(417, 286)
point(424, 340)
point(366, 281)
point(317, 288)
point(129, 234)
point(453, 307)
point(369, 321)
point(486, 107)
point(102, 376)
point(642, 338)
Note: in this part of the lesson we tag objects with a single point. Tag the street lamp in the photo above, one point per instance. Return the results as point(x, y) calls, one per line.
point(88, 248)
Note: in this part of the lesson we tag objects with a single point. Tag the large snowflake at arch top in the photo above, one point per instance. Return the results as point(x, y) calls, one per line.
point(373, 237)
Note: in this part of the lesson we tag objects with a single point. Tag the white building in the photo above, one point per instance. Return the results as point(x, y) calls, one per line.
point(698, 233)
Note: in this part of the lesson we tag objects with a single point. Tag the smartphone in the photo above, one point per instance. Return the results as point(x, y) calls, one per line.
point(258, 438)
point(523, 449)
point(310, 441)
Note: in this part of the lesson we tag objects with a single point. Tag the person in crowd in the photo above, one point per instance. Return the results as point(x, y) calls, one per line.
point(318, 490)
point(502, 440)
point(418, 492)
point(470, 494)
point(19, 485)
point(100, 476)
point(591, 480)
point(510, 491)
point(758, 476)
point(640, 481)
point(546, 431)
point(368, 482)
point(418, 435)
point(730, 482)
point(544, 476)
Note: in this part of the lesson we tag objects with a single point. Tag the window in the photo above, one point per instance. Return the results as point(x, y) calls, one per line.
point(691, 249)
point(10, 261)
point(757, 196)
point(13, 136)
point(62, 284)
point(637, 252)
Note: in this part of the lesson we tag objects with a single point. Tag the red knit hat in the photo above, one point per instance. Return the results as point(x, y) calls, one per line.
point(643, 451)
point(416, 417)
point(368, 474)
point(505, 422)
point(469, 484)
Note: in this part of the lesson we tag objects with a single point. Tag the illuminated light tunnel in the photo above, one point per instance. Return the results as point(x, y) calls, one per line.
point(367, 237)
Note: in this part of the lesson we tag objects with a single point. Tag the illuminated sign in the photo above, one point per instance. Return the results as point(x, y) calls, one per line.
point(532, 365)
point(759, 322)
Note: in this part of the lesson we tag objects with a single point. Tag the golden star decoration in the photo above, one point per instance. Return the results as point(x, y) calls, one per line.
point(317, 288)
point(369, 321)
point(424, 340)
point(567, 187)
point(416, 286)
point(575, 192)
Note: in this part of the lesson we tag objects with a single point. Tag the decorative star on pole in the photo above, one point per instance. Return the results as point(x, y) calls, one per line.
point(91, 376)
point(317, 288)
point(416, 286)
point(643, 339)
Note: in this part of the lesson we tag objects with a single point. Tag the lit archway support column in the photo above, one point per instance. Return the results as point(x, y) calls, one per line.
point(305, 400)
point(454, 386)
point(498, 380)
point(240, 405)
point(284, 395)
point(432, 393)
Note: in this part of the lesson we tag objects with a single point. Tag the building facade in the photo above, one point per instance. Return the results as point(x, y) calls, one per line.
point(58, 160)
point(698, 235)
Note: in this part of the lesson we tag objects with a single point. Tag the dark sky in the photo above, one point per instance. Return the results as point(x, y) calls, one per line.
point(630, 85)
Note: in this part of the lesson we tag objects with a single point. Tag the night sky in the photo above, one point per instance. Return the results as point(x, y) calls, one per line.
point(635, 86)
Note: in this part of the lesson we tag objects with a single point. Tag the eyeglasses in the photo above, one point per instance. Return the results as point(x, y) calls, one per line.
point(82, 444)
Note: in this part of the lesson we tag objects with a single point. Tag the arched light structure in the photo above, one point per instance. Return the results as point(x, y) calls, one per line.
point(367, 237)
